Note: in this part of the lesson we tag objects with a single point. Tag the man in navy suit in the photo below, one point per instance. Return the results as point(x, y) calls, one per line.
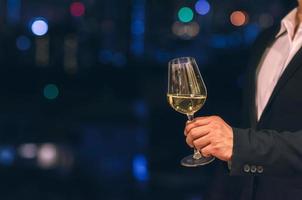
point(268, 151)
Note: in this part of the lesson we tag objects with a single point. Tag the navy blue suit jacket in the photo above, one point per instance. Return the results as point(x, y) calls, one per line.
point(268, 153)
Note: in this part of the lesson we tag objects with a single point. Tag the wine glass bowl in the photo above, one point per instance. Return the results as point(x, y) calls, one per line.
point(187, 94)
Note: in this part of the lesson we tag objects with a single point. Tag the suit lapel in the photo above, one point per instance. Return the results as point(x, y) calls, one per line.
point(290, 70)
point(265, 41)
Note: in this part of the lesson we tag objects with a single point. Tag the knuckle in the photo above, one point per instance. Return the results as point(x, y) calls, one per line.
point(213, 117)
point(210, 138)
point(214, 126)
point(196, 144)
point(194, 133)
point(205, 151)
point(199, 123)
point(215, 149)
point(188, 127)
point(216, 118)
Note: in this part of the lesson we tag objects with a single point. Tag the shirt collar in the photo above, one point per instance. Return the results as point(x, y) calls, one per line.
point(288, 24)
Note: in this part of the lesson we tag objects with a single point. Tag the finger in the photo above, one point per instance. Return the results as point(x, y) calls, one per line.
point(202, 142)
point(189, 141)
point(200, 121)
point(206, 151)
point(188, 122)
point(199, 131)
point(202, 118)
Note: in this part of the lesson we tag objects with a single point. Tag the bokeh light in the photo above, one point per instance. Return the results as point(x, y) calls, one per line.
point(39, 27)
point(7, 155)
point(138, 22)
point(23, 43)
point(51, 91)
point(28, 151)
point(202, 7)
point(140, 168)
point(239, 18)
point(47, 156)
point(138, 27)
point(251, 32)
point(77, 9)
point(187, 30)
point(13, 11)
point(185, 14)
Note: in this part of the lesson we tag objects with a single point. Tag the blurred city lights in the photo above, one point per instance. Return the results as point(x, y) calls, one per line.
point(266, 20)
point(137, 45)
point(105, 56)
point(51, 91)
point(234, 39)
point(202, 7)
point(77, 9)
point(141, 138)
point(23, 43)
point(140, 168)
point(140, 109)
point(251, 32)
point(13, 11)
point(218, 41)
point(42, 51)
point(138, 27)
point(7, 155)
point(39, 27)
point(162, 56)
point(47, 156)
point(187, 30)
point(119, 59)
point(28, 151)
point(185, 14)
point(66, 158)
point(70, 54)
point(239, 18)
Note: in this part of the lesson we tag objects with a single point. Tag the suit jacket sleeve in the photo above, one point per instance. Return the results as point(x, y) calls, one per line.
point(277, 153)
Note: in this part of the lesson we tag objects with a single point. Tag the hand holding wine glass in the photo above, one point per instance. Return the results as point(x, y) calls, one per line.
point(187, 94)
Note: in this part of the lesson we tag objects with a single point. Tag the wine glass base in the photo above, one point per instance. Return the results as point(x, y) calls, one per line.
point(189, 161)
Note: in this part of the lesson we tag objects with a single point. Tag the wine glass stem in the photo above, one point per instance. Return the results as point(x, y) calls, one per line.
point(190, 117)
point(197, 155)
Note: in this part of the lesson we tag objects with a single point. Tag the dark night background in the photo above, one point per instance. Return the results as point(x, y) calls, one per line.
point(83, 111)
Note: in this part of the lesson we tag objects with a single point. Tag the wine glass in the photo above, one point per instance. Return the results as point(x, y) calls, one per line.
point(186, 94)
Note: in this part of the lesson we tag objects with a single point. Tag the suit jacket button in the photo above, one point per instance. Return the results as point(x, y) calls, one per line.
point(260, 169)
point(246, 168)
point(253, 169)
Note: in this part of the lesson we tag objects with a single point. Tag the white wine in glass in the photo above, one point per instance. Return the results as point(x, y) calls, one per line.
point(187, 94)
